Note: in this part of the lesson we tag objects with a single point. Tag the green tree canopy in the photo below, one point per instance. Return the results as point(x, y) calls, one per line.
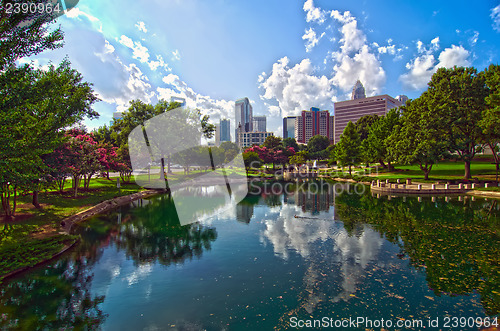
point(490, 122)
point(318, 143)
point(348, 149)
point(291, 142)
point(363, 125)
point(375, 145)
point(417, 139)
point(273, 143)
point(25, 34)
point(456, 98)
point(252, 160)
point(35, 107)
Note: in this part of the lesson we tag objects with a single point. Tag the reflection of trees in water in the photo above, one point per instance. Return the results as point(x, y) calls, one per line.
point(57, 299)
point(457, 243)
point(149, 234)
point(154, 234)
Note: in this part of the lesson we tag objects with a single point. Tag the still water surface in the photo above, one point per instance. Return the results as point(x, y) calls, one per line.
point(268, 261)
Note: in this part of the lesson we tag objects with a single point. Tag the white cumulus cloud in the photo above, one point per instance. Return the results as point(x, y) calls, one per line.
point(140, 52)
point(176, 55)
point(297, 88)
point(215, 108)
point(495, 16)
point(141, 26)
point(311, 39)
point(422, 67)
point(313, 14)
point(355, 60)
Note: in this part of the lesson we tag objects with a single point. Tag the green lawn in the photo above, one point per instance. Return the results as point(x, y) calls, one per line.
point(34, 234)
point(440, 171)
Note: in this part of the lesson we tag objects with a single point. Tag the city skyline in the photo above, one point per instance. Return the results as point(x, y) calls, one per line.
point(299, 55)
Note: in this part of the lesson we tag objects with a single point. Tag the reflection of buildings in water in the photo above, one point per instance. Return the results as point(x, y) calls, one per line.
point(314, 202)
point(199, 203)
point(337, 260)
point(244, 212)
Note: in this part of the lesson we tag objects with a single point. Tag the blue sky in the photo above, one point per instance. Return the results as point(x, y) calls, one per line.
point(283, 55)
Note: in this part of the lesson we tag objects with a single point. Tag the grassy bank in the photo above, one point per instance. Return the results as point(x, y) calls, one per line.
point(444, 171)
point(34, 235)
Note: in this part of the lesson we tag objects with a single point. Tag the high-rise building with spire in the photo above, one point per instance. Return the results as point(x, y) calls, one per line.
point(358, 91)
point(359, 106)
point(244, 122)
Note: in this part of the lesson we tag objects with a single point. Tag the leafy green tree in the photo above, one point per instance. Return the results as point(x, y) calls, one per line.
point(456, 97)
point(230, 150)
point(348, 149)
point(490, 122)
point(300, 157)
point(317, 146)
point(418, 139)
point(375, 145)
point(35, 108)
point(363, 125)
point(273, 143)
point(103, 135)
point(26, 34)
point(252, 160)
point(291, 142)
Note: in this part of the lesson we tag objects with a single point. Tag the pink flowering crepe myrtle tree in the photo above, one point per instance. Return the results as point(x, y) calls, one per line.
point(274, 156)
point(77, 157)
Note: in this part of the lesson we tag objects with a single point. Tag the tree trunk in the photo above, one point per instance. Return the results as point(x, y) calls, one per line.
point(349, 170)
point(75, 185)
point(5, 196)
point(168, 165)
point(382, 163)
point(14, 204)
point(35, 200)
point(162, 168)
point(467, 170)
point(60, 183)
point(87, 181)
point(427, 170)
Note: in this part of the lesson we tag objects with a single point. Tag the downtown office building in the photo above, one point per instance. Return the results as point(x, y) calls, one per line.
point(243, 115)
point(313, 122)
point(359, 106)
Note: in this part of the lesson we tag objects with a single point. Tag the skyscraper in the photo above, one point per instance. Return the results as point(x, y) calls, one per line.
point(358, 91)
point(243, 112)
point(402, 98)
point(353, 110)
point(259, 123)
point(312, 123)
point(289, 127)
point(224, 129)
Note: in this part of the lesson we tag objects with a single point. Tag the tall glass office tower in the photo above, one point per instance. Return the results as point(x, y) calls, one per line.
point(243, 112)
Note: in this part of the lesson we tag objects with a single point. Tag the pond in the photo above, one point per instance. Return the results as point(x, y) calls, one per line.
point(328, 254)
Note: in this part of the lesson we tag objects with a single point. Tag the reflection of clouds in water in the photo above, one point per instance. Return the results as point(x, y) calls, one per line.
point(344, 260)
point(141, 272)
point(207, 203)
point(289, 233)
point(355, 254)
